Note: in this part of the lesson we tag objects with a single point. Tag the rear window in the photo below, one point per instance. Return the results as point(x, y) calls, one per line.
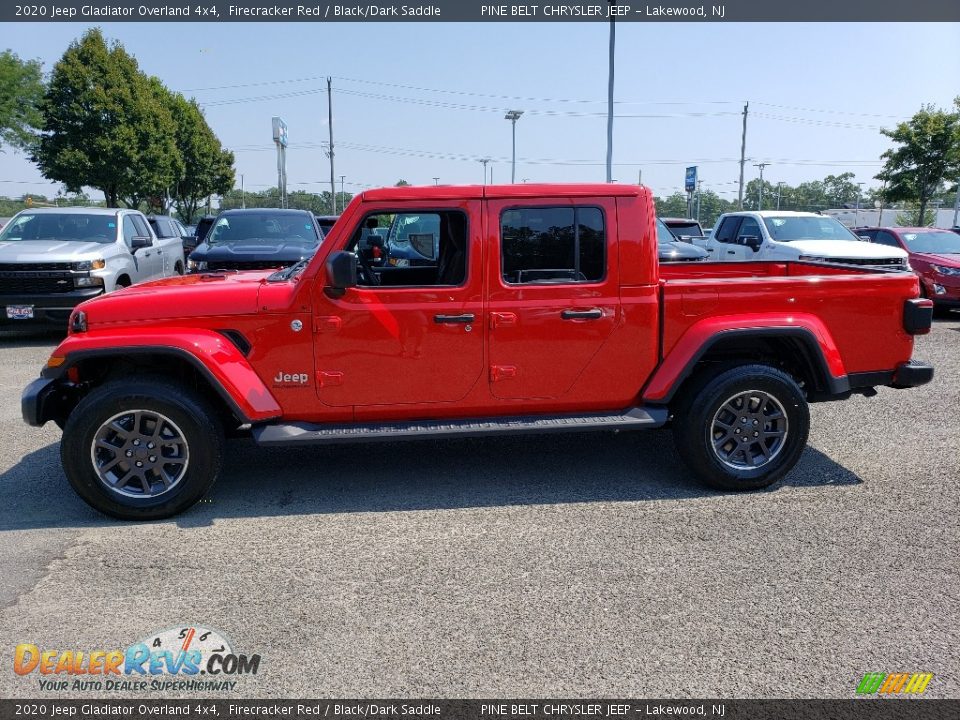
point(552, 245)
point(66, 226)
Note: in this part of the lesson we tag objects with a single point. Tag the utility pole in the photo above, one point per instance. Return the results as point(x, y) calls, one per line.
point(512, 116)
point(856, 212)
point(956, 204)
point(760, 198)
point(333, 182)
point(743, 153)
point(639, 177)
point(883, 196)
point(436, 181)
point(613, 42)
point(484, 161)
point(243, 195)
point(342, 178)
point(779, 191)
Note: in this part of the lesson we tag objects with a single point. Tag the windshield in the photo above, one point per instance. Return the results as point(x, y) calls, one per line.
point(263, 226)
point(663, 233)
point(75, 227)
point(822, 227)
point(942, 242)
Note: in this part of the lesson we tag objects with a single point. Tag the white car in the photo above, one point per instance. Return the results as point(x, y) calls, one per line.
point(52, 259)
point(779, 235)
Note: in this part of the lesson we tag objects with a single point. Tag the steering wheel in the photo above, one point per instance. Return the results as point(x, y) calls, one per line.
point(365, 275)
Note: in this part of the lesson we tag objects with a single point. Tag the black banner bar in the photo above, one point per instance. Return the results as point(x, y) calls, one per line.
point(99, 11)
point(399, 709)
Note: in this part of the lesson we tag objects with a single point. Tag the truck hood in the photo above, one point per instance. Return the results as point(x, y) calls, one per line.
point(205, 294)
point(844, 249)
point(949, 259)
point(34, 251)
point(284, 252)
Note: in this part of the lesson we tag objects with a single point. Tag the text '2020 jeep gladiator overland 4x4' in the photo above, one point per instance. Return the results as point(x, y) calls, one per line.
point(546, 310)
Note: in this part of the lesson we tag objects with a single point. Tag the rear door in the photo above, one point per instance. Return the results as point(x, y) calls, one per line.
point(553, 295)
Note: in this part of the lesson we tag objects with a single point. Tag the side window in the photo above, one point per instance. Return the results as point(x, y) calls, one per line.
point(885, 238)
point(552, 245)
point(727, 229)
point(129, 230)
point(411, 249)
point(179, 229)
point(749, 227)
point(142, 229)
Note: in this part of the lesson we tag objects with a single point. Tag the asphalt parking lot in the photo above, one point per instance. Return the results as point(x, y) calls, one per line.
point(586, 565)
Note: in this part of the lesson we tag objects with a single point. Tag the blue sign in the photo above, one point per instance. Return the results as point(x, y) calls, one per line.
point(690, 181)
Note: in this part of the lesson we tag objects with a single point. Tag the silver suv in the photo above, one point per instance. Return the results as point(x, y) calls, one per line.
point(52, 259)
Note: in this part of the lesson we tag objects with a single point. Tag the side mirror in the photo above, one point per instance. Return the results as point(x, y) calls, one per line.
point(751, 241)
point(341, 272)
point(865, 238)
point(189, 242)
point(140, 241)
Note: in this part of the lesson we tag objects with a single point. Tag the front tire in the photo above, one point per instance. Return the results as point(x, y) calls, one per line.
point(142, 450)
point(743, 429)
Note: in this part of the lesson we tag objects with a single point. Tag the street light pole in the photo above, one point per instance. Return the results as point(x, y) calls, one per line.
point(513, 116)
point(613, 42)
point(779, 192)
point(436, 181)
point(342, 177)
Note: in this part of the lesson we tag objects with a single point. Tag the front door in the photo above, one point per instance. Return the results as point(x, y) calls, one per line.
point(553, 293)
point(407, 334)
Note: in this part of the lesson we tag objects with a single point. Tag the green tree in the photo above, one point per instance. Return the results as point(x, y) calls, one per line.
point(105, 125)
point(402, 183)
point(751, 195)
point(21, 89)
point(927, 155)
point(207, 166)
point(840, 189)
point(674, 205)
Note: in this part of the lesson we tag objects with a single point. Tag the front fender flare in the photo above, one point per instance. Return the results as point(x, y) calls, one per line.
point(210, 353)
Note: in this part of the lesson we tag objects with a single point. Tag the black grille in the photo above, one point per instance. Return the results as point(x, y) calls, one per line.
point(874, 262)
point(23, 267)
point(248, 265)
point(34, 285)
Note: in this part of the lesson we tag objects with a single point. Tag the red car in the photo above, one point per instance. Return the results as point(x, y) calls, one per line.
point(934, 256)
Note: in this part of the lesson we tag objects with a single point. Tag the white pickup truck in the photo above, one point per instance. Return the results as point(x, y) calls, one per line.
point(779, 235)
point(52, 259)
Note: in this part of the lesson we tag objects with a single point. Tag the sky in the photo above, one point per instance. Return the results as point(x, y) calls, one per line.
point(424, 102)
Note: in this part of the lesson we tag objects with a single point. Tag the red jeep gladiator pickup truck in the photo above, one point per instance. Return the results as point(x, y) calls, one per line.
point(542, 309)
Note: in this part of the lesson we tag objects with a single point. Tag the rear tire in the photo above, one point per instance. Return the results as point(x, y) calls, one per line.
point(142, 449)
point(744, 428)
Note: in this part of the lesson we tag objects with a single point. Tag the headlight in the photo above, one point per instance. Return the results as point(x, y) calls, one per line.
point(90, 265)
point(194, 265)
point(944, 270)
point(87, 281)
point(399, 262)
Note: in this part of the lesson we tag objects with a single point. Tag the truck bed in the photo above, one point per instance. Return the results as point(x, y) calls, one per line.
point(845, 307)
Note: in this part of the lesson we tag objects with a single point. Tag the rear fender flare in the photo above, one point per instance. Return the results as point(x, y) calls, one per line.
point(820, 351)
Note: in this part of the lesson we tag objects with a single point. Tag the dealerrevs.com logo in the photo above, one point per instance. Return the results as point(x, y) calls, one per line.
point(182, 658)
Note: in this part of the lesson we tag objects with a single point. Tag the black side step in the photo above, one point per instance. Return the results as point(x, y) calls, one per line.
point(299, 433)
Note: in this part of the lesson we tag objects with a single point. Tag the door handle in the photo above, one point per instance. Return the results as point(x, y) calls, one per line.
point(465, 318)
point(592, 314)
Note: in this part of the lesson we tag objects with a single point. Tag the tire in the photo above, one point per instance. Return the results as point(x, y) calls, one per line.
point(130, 418)
point(740, 402)
point(941, 312)
point(178, 268)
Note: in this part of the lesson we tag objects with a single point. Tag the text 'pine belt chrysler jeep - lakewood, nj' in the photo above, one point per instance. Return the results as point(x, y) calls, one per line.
point(546, 310)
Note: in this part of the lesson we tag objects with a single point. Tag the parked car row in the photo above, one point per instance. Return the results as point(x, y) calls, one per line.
point(52, 259)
